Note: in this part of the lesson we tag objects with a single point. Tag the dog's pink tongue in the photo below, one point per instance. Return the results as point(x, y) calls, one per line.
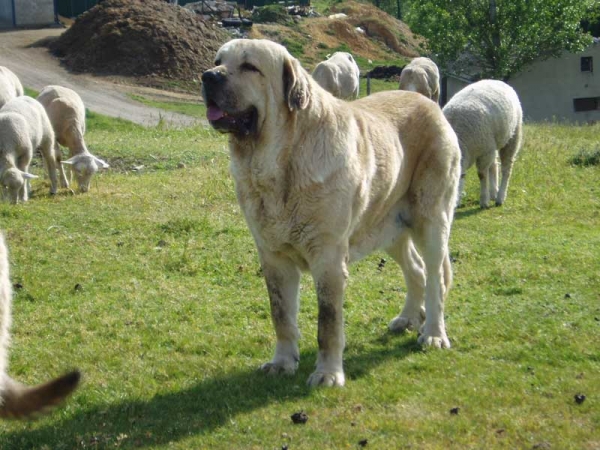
point(214, 113)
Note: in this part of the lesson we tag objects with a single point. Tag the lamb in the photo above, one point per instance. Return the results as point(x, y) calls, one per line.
point(10, 86)
point(423, 76)
point(488, 120)
point(17, 400)
point(24, 127)
point(67, 115)
point(339, 75)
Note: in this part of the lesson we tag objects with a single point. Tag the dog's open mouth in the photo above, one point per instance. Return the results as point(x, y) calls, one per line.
point(242, 124)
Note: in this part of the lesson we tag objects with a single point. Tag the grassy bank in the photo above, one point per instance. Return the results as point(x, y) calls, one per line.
point(150, 284)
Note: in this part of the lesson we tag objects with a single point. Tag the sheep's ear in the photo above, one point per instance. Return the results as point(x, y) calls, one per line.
point(103, 164)
point(296, 87)
point(73, 160)
point(70, 161)
point(28, 176)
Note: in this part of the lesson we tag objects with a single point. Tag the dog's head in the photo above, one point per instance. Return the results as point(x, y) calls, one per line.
point(253, 81)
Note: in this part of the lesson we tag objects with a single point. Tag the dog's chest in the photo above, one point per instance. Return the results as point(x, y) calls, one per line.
point(264, 196)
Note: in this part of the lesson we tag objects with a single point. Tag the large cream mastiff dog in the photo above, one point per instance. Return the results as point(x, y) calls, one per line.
point(323, 183)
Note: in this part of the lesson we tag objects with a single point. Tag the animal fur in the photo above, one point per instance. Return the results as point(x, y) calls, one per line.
point(17, 400)
point(323, 182)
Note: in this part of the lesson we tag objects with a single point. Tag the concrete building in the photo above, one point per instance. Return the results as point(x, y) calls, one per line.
point(26, 13)
point(558, 89)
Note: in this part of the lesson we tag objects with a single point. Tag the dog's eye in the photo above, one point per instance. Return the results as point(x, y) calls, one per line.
point(249, 68)
point(217, 62)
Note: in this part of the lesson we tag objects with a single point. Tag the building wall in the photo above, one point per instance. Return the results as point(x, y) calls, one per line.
point(34, 12)
point(548, 88)
point(6, 14)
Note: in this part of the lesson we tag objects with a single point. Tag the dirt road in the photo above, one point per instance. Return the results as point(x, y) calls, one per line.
point(37, 68)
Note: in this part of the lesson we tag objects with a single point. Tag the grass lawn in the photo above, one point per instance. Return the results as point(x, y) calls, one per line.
point(150, 284)
point(188, 108)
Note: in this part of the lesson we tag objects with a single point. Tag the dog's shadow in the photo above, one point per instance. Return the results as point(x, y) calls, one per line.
point(199, 409)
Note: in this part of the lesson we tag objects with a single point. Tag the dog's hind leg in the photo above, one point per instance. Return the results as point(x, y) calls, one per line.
point(434, 239)
point(283, 279)
point(413, 314)
point(330, 274)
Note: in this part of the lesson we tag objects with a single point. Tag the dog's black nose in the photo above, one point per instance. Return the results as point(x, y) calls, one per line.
point(213, 77)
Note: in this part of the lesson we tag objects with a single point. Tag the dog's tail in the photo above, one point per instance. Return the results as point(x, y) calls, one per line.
point(19, 401)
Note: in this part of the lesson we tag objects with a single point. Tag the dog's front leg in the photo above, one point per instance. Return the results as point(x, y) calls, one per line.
point(283, 279)
point(330, 279)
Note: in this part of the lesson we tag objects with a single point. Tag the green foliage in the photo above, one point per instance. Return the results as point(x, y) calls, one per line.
point(591, 20)
point(271, 14)
point(296, 48)
point(395, 8)
point(500, 41)
point(586, 158)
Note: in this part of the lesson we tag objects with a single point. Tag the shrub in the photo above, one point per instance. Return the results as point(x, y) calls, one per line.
point(586, 158)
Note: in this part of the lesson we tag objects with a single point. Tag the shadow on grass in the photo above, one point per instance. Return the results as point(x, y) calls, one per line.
point(467, 210)
point(197, 410)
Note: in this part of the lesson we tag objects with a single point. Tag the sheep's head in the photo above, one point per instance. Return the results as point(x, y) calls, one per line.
point(85, 166)
point(12, 182)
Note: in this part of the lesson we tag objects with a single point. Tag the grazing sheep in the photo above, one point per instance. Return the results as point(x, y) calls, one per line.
point(339, 75)
point(15, 156)
point(421, 75)
point(17, 400)
point(488, 120)
point(24, 127)
point(10, 86)
point(67, 115)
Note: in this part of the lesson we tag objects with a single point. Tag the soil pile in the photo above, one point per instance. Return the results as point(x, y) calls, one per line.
point(140, 38)
point(379, 25)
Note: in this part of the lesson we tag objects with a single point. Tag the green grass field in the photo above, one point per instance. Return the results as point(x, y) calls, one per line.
point(150, 284)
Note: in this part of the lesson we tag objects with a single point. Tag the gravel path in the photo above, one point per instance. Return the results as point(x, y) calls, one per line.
point(37, 68)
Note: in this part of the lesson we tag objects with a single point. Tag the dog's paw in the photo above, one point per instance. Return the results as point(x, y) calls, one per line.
point(328, 379)
point(434, 341)
point(279, 368)
point(402, 323)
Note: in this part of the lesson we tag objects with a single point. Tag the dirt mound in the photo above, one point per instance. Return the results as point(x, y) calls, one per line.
point(140, 38)
point(379, 25)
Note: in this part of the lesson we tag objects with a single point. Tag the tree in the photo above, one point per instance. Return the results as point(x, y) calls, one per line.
point(500, 37)
point(591, 21)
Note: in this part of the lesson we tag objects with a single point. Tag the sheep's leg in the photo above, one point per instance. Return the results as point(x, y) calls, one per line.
point(493, 179)
point(434, 241)
point(461, 188)
point(23, 166)
point(64, 183)
point(483, 169)
point(283, 281)
point(507, 158)
point(47, 150)
point(413, 268)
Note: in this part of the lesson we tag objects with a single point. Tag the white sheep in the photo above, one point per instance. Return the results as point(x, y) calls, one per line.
point(10, 86)
point(67, 115)
point(17, 400)
point(423, 76)
point(488, 120)
point(339, 75)
point(24, 127)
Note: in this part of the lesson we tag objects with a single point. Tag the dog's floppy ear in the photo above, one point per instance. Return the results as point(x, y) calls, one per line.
point(296, 88)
